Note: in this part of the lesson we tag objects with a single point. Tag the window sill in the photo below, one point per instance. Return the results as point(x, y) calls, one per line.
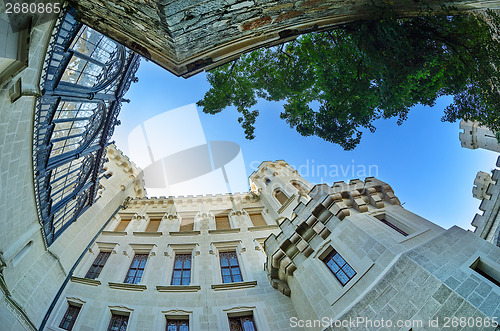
point(232, 286)
point(125, 286)
point(263, 227)
point(236, 230)
point(148, 234)
point(114, 233)
point(184, 233)
point(86, 281)
point(178, 288)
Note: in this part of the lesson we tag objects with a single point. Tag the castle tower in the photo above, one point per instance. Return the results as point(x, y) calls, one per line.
point(477, 136)
point(487, 189)
point(280, 188)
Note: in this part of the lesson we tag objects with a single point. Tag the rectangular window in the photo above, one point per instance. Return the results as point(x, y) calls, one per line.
point(96, 268)
point(187, 224)
point(389, 224)
point(230, 268)
point(258, 219)
point(136, 269)
point(153, 225)
point(122, 226)
point(222, 222)
point(339, 267)
point(69, 317)
point(177, 325)
point(118, 323)
point(182, 269)
point(242, 323)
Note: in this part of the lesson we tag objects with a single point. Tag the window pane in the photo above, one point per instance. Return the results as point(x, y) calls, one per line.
point(342, 277)
point(338, 259)
point(226, 279)
point(237, 278)
point(176, 281)
point(233, 260)
point(178, 264)
point(235, 270)
point(185, 281)
point(187, 264)
point(224, 262)
point(348, 271)
point(333, 266)
point(225, 272)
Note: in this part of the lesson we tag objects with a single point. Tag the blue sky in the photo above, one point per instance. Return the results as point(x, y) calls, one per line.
point(422, 159)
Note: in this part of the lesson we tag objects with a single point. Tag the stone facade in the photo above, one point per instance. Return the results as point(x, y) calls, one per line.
point(206, 301)
point(186, 37)
point(406, 268)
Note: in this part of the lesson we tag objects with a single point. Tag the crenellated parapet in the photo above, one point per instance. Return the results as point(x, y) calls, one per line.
point(488, 188)
point(119, 165)
point(476, 136)
point(327, 207)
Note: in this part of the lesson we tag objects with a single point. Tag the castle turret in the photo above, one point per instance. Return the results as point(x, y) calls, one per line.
point(476, 136)
point(280, 186)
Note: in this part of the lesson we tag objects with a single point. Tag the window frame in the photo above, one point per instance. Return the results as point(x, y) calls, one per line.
point(137, 269)
point(94, 264)
point(182, 269)
point(330, 257)
point(177, 319)
point(239, 318)
point(120, 316)
point(229, 267)
point(73, 317)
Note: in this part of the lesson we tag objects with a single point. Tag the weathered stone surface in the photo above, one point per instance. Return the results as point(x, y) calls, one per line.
point(186, 37)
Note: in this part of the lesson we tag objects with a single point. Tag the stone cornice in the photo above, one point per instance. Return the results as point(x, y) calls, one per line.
point(232, 286)
point(125, 286)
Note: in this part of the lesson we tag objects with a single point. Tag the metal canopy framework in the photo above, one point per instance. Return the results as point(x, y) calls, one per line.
point(84, 78)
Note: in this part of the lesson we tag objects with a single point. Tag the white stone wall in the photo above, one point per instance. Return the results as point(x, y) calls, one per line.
point(207, 308)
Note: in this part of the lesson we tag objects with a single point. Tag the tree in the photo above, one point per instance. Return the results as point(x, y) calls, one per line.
point(336, 83)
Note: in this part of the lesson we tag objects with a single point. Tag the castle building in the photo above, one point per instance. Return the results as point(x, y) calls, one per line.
point(486, 187)
point(82, 248)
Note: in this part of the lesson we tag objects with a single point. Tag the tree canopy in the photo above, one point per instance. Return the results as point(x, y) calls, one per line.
point(336, 83)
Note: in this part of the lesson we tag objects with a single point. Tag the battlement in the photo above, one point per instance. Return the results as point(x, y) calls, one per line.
point(476, 136)
point(488, 224)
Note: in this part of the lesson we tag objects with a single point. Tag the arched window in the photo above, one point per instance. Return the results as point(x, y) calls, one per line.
point(299, 186)
point(280, 196)
point(267, 181)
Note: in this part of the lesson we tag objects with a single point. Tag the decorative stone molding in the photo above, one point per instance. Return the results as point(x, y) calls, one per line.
point(232, 286)
point(130, 287)
point(178, 288)
point(86, 281)
point(147, 234)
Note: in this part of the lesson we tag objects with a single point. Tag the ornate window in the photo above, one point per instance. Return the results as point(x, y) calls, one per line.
point(118, 322)
point(153, 225)
point(97, 266)
point(222, 222)
point(177, 325)
point(280, 196)
point(242, 323)
point(299, 186)
point(187, 224)
point(70, 316)
point(339, 267)
point(122, 225)
point(134, 274)
point(230, 268)
point(182, 269)
point(257, 219)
